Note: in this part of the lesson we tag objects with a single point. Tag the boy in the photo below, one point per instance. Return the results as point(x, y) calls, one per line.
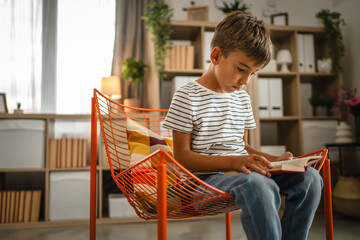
point(210, 119)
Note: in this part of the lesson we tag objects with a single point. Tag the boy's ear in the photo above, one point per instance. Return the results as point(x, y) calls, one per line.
point(215, 55)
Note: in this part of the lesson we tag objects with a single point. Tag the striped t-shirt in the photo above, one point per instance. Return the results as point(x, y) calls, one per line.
point(216, 120)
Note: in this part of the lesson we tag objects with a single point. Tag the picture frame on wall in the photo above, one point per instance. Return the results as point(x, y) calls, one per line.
point(3, 105)
point(280, 19)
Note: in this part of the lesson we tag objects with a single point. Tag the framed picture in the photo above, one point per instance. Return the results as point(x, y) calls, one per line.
point(3, 105)
point(200, 13)
point(280, 19)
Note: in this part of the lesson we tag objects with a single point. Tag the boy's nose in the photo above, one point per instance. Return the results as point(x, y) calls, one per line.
point(245, 80)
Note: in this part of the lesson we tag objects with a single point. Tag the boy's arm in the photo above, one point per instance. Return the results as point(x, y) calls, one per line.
point(271, 158)
point(205, 163)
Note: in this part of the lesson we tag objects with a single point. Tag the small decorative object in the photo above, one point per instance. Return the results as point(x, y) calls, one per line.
point(321, 103)
point(346, 196)
point(280, 19)
point(18, 110)
point(332, 22)
point(283, 58)
point(3, 105)
point(324, 65)
point(237, 5)
point(343, 133)
point(198, 13)
point(354, 105)
point(158, 21)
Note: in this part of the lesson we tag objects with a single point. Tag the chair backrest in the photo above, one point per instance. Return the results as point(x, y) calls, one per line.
point(112, 117)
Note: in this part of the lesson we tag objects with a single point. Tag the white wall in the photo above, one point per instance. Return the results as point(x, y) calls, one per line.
point(301, 13)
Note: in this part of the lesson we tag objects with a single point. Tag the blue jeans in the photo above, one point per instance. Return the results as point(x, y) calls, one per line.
point(259, 199)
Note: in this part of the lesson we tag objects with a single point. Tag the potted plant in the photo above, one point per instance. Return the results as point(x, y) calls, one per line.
point(237, 5)
point(133, 72)
point(158, 21)
point(322, 103)
point(332, 22)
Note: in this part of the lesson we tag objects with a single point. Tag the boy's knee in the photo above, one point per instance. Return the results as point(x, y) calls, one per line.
point(313, 178)
point(261, 184)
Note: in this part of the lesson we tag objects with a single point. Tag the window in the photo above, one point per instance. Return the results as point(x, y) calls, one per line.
point(85, 39)
point(21, 53)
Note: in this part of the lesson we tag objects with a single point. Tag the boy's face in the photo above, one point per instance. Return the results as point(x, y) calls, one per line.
point(234, 71)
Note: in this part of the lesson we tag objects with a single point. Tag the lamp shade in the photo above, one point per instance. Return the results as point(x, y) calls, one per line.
point(283, 57)
point(111, 87)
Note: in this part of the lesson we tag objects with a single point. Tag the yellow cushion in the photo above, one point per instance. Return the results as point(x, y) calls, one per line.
point(142, 142)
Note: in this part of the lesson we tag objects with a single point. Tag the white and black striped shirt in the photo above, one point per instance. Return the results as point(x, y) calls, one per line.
point(216, 120)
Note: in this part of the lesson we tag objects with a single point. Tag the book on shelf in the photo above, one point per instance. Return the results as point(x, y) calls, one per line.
point(35, 205)
point(67, 153)
point(20, 206)
point(293, 165)
point(27, 206)
point(180, 56)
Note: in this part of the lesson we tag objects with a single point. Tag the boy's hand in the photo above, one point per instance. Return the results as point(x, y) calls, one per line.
point(285, 156)
point(253, 162)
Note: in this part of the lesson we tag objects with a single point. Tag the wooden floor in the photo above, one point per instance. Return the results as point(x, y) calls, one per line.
point(209, 229)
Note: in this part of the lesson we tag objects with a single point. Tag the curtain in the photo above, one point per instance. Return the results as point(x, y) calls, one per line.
point(21, 53)
point(85, 39)
point(130, 34)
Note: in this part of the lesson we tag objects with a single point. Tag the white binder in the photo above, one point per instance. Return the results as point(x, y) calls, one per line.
point(309, 53)
point(263, 97)
point(276, 97)
point(207, 49)
point(305, 94)
point(300, 52)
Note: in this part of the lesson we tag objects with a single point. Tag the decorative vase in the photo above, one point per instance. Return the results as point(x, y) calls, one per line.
point(324, 65)
point(346, 196)
point(132, 102)
point(18, 111)
point(320, 111)
point(343, 133)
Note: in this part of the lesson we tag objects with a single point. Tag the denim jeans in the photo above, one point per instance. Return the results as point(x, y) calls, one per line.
point(259, 198)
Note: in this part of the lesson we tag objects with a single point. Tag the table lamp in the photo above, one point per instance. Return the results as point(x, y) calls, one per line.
point(283, 57)
point(111, 87)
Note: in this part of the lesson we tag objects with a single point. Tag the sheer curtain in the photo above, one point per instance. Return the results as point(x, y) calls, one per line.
point(85, 40)
point(21, 53)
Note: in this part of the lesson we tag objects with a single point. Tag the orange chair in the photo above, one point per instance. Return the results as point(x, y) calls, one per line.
point(158, 187)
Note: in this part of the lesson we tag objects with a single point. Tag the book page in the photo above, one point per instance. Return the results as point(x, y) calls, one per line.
point(295, 161)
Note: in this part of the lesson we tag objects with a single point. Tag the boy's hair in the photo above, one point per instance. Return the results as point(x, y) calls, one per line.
point(241, 31)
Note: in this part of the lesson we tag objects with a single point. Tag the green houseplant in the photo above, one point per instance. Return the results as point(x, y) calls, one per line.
point(332, 22)
point(322, 103)
point(158, 21)
point(237, 5)
point(133, 72)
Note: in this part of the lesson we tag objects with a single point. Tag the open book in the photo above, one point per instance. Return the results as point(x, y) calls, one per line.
point(293, 165)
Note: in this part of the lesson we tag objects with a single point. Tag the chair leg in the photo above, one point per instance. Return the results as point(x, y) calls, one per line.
point(228, 225)
point(327, 201)
point(161, 201)
point(92, 230)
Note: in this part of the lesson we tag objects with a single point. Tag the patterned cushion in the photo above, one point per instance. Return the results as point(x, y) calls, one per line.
point(142, 142)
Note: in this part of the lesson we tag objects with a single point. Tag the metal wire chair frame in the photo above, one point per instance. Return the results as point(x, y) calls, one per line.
point(161, 170)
